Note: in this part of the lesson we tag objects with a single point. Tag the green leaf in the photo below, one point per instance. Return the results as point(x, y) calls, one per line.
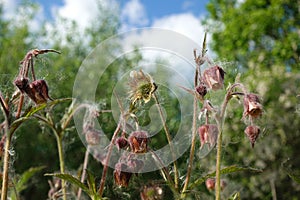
point(22, 182)
point(73, 180)
point(226, 170)
point(235, 196)
point(91, 181)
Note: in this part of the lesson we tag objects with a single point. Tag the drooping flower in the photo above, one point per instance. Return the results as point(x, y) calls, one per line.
point(92, 136)
point(138, 141)
point(36, 90)
point(210, 184)
point(121, 143)
point(252, 133)
point(201, 90)
point(252, 106)
point(213, 77)
point(121, 176)
point(208, 133)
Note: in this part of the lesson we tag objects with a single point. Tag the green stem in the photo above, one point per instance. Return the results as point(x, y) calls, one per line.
point(61, 161)
point(218, 164)
point(168, 135)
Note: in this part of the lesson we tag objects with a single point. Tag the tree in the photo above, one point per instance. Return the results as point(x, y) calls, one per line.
point(263, 37)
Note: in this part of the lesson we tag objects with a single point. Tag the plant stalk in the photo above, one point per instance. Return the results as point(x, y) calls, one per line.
point(84, 167)
point(5, 168)
point(168, 135)
point(61, 162)
point(106, 161)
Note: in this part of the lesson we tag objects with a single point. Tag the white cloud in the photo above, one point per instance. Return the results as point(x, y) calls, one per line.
point(9, 8)
point(134, 14)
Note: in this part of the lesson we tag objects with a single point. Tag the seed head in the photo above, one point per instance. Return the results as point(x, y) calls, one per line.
point(213, 77)
point(252, 133)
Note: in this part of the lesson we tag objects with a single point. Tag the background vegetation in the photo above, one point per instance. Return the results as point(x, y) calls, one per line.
point(261, 40)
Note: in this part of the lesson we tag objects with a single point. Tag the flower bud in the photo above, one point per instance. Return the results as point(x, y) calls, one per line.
point(210, 184)
point(138, 141)
point(121, 143)
point(252, 133)
point(201, 90)
point(252, 106)
point(213, 77)
point(208, 133)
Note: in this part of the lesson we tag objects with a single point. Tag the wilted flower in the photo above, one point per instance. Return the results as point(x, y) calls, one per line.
point(121, 176)
point(252, 133)
point(208, 134)
point(36, 91)
point(211, 183)
point(92, 136)
point(121, 142)
point(213, 77)
point(141, 86)
point(252, 106)
point(153, 192)
point(138, 141)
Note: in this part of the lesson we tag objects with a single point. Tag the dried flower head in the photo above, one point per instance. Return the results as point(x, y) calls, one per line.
point(36, 90)
point(121, 176)
point(252, 106)
point(121, 143)
point(213, 77)
point(138, 141)
point(141, 86)
point(208, 134)
point(252, 133)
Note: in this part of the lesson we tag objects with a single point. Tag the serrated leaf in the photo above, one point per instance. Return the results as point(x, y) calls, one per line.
point(73, 180)
point(226, 170)
point(21, 184)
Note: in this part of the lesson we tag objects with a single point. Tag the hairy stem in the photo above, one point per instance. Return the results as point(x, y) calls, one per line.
point(61, 162)
point(168, 135)
point(106, 161)
point(84, 167)
point(192, 151)
point(5, 169)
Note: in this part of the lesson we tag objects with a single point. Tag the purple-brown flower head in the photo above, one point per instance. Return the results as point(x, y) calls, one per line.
point(213, 77)
point(252, 106)
point(121, 143)
point(92, 136)
point(252, 133)
point(201, 90)
point(121, 176)
point(210, 184)
point(138, 141)
point(208, 134)
point(37, 90)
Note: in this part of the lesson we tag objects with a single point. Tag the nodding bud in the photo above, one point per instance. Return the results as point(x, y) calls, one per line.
point(201, 90)
point(208, 133)
point(213, 77)
point(22, 83)
point(121, 143)
point(252, 106)
point(138, 141)
point(252, 133)
point(211, 184)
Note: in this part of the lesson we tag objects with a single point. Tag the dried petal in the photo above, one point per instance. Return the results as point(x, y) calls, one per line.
point(138, 141)
point(208, 134)
point(252, 106)
point(213, 77)
point(252, 133)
